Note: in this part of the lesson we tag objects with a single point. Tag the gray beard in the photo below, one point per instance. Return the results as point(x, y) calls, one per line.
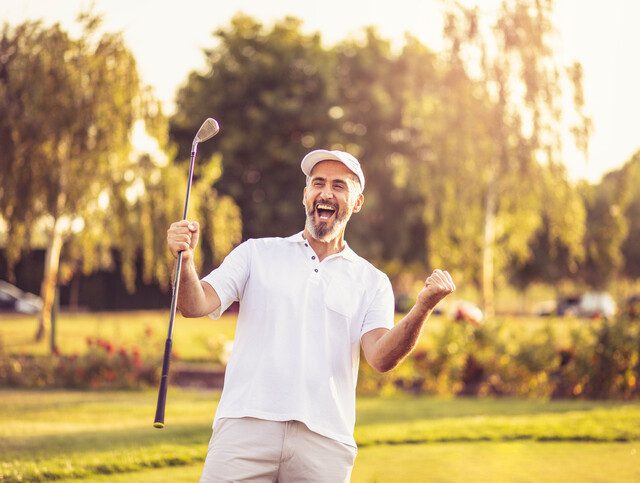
point(322, 231)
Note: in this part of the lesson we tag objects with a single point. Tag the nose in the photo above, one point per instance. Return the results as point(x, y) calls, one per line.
point(327, 191)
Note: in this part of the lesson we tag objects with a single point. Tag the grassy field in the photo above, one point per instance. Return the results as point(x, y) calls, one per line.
point(108, 436)
point(64, 434)
point(193, 339)
point(483, 462)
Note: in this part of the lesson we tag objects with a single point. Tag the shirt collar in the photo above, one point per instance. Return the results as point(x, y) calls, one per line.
point(346, 252)
point(297, 238)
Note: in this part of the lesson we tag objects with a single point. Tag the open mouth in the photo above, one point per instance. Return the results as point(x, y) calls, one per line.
point(325, 211)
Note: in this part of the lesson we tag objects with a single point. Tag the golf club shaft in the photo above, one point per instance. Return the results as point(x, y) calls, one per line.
point(164, 378)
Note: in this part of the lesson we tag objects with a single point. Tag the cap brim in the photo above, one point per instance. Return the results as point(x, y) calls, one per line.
point(314, 157)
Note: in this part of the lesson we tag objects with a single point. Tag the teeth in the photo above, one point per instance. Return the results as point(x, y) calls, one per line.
point(325, 207)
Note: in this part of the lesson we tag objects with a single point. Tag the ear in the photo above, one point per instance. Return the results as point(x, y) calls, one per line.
point(304, 196)
point(359, 202)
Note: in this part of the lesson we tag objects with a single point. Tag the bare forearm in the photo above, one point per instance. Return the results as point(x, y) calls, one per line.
point(191, 301)
point(394, 346)
point(384, 351)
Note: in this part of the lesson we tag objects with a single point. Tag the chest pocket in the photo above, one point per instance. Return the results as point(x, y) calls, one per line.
point(343, 297)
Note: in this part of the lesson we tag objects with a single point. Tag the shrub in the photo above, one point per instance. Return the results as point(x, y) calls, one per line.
point(600, 359)
point(102, 366)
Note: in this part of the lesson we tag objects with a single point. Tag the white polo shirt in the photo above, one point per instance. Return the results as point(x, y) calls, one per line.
point(297, 343)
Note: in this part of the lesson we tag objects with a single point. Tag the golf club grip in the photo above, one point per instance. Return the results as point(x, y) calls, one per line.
point(164, 383)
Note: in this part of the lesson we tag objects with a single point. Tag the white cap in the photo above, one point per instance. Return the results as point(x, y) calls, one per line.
point(314, 157)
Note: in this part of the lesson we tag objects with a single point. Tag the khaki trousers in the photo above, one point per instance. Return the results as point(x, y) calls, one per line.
point(257, 450)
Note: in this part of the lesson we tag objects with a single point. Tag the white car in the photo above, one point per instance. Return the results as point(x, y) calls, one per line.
point(589, 304)
point(593, 304)
point(14, 299)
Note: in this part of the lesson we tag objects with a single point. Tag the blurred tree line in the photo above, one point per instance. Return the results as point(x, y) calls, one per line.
point(85, 170)
point(461, 148)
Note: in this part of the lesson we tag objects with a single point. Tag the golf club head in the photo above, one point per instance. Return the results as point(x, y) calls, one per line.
point(208, 129)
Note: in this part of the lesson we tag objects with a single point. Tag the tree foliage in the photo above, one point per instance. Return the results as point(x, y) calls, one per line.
point(67, 109)
point(461, 149)
point(269, 89)
point(606, 205)
point(71, 176)
point(631, 245)
point(375, 92)
point(520, 81)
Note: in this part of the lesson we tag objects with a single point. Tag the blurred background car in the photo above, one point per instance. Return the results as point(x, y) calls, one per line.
point(12, 299)
point(546, 308)
point(567, 306)
point(597, 304)
point(588, 304)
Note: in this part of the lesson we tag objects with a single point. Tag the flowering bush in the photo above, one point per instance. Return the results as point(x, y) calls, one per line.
point(601, 359)
point(102, 366)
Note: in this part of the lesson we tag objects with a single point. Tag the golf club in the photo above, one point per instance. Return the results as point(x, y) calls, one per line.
point(208, 129)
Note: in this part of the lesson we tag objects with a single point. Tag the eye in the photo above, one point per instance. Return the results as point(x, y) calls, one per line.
point(317, 183)
point(339, 186)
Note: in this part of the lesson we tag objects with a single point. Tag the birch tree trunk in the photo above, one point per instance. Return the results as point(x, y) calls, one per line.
point(50, 279)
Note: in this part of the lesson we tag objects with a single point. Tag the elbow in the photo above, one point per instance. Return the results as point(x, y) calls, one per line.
point(383, 366)
point(187, 313)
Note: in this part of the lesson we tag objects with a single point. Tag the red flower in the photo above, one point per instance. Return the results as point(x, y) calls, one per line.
point(106, 345)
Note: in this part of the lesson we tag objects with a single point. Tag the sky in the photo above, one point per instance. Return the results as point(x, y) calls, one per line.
point(167, 38)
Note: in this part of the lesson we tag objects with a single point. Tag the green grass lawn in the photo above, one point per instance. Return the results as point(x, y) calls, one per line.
point(193, 339)
point(483, 462)
point(108, 436)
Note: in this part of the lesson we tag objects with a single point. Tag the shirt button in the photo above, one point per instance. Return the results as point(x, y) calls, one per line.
point(313, 257)
point(315, 270)
point(306, 245)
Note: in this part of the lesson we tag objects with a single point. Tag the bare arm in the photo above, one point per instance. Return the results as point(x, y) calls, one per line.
point(195, 298)
point(384, 348)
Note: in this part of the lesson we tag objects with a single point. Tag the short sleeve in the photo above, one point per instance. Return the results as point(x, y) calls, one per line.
point(380, 313)
point(230, 278)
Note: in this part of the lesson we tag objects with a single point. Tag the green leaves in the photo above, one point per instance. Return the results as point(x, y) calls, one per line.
point(268, 88)
point(85, 159)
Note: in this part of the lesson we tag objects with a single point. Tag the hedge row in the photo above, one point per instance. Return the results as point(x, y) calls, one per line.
point(102, 366)
point(596, 360)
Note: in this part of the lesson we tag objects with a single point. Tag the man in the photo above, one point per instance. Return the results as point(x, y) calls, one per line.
point(307, 305)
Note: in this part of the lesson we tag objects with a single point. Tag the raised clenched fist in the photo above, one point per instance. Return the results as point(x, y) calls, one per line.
point(436, 287)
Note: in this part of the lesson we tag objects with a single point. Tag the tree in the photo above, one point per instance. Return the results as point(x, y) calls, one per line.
point(69, 172)
point(557, 248)
point(268, 89)
point(377, 92)
point(607, 227)
point(631, 245)
point(67, 109)
point(521, 82)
